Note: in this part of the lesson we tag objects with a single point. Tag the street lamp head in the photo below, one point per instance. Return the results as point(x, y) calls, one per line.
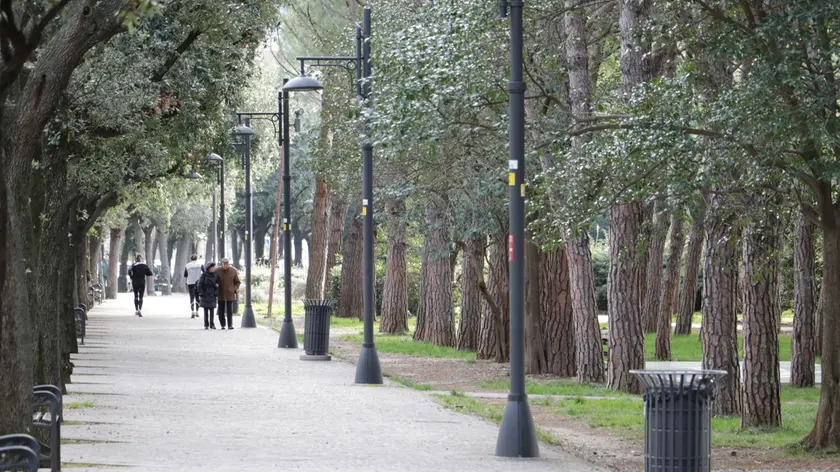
point(303, 84)
point(193, 176)
point(241, 130)
point(213, 157)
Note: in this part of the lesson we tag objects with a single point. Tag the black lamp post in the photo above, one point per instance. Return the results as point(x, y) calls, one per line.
point(245, 132)
point(368, 370)
point(517, 435)
point(218, 239)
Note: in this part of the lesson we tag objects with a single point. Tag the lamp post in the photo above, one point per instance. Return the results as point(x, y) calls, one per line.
point(517, 434)
point(288, 336)
point(368, 370)
point(245, 132)
point(216, 159)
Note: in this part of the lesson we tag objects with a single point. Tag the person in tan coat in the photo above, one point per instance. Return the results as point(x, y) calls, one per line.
point(229, 283)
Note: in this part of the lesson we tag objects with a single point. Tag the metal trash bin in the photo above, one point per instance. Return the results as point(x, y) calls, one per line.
point(316, 330)
point(678, 423)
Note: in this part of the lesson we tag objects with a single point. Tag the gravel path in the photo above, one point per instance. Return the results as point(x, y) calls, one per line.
point(168, 395)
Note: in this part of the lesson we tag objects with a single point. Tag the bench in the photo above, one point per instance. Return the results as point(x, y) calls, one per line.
point(96, 293)
point(48, 412)
point(81, 321)
point(17, 457)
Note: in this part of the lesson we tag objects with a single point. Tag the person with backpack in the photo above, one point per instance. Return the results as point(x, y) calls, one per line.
point(207, 289)
point(138, 273)
point(192, 273)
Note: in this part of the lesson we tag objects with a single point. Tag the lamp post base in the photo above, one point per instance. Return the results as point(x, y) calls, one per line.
point(288, 336)
point(517, 435)
point(368, 370)
point(248, 319)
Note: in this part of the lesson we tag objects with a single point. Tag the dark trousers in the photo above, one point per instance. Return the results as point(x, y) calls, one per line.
point(139, 291)
point(208, 317)
point(193, 298)
point(225, 308)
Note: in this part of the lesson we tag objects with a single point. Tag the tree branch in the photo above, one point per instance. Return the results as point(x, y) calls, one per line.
point(181, 49)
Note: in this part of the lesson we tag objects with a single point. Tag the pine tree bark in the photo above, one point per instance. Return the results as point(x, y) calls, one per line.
point(670, 289)
point(558, 319)
point(179, 282)
point(688, 295)
point(149, 244)
point(535, 361)
point(653, 284)
point(803, 355)
point(626, 340)
point(352, 270)
point(590, 354)
point(338, 213)
point(319, 242)
point(394, 316)
point(495, 325)
point(469, 329)
point(115, 246)
point(122, 280)
point(818, 322)
point(718, 333)
point(420, 326)
point(235, 250)
point(762, 381)
point(95, 259)
point(297, 241)
point(163, 247)
point(438, 316)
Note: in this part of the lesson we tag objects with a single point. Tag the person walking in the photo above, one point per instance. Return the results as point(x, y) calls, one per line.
point(192, 273)
point(138, 273)
point(207, 290)
point(228, 286)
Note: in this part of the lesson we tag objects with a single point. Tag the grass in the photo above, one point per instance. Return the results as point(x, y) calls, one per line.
point(688, 348)
point(409, 383)
point(566, 387)
point(406, 345)
point(261, 308)
point(79, 405)
point(355, 323)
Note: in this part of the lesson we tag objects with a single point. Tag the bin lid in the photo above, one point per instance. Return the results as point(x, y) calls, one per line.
point(312, 302)
point(657, 379)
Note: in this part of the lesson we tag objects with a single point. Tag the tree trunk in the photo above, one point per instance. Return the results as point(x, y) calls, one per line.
point(116, 242)
point(170, 249)
point(420, 328)
point(164, 279)
point(535, 361)
point(208, 248)
point(139, 239)
point(319, 241)
point(394, 315)
point(351, 303)
point(297, 240)
point(626, 340)
point(123, 277)
point(688, 296)
point(95, 251)
point(804, 305)
point(718, 333)
point(439, 318)
point(472, 275)
point(818, 322)
point(670, 289)
point(338, 213)
point(235, 246)
point(762, 383)
point(558, 317)
point(259, 244)
point(590, 354)
point(149, 233)
point(179, 282)
point(653, 284)
point(495, 326)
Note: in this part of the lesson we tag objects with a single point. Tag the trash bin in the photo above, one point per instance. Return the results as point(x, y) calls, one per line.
point(678, 424)
point(316, 330)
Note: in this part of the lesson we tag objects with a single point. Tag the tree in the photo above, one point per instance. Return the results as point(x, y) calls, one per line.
point(653, 284)
point(558, 318)
point(436, 298)
point(394, 314)
point(688, 295)
point(472, 275)
point(352, 269)
point(670, 289)
point(319, 240)
point(804, 305)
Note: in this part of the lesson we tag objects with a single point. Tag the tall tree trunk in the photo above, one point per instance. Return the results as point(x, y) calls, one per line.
point(149, 233)
point(394, 315)
point(123, 277)
point(319, 241)
point(762, 382)
point(170, 250)
point(626, 340)
point(165, 272)
point(558, 317)
point(495, 326)
point(804, 305)
point(351, 303)
point(179, 282)
point(115, 245)
point(439, 318)
point(420, 328)
point(818, 322)
point(235, 246)
point(688, 295)
point(535, 361)
point(669, 289)
point(718, 333)
point(338, 213)
point(297, 241)
point(208, 248)
point(95, 251)
point(590, 354)
point(259, 243)
point(139, 239)
point(469, 328)
point(653, 284)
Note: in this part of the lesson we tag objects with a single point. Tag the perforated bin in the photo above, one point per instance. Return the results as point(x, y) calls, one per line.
point(316, 327)
point(678, 426)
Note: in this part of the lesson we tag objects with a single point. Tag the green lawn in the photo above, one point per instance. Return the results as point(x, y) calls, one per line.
point(278, 309)
point(360, 325)
point(554, 387)
point(404, 344)
point(688, 348)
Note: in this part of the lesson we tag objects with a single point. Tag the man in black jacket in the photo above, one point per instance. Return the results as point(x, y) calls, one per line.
point(138, 273)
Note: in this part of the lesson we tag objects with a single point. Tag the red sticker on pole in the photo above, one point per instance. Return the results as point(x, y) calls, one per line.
point(510, 248)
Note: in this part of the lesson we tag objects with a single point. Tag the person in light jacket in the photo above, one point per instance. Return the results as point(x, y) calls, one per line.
point(207, 289)
point(192, 273)
point(228, 286)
